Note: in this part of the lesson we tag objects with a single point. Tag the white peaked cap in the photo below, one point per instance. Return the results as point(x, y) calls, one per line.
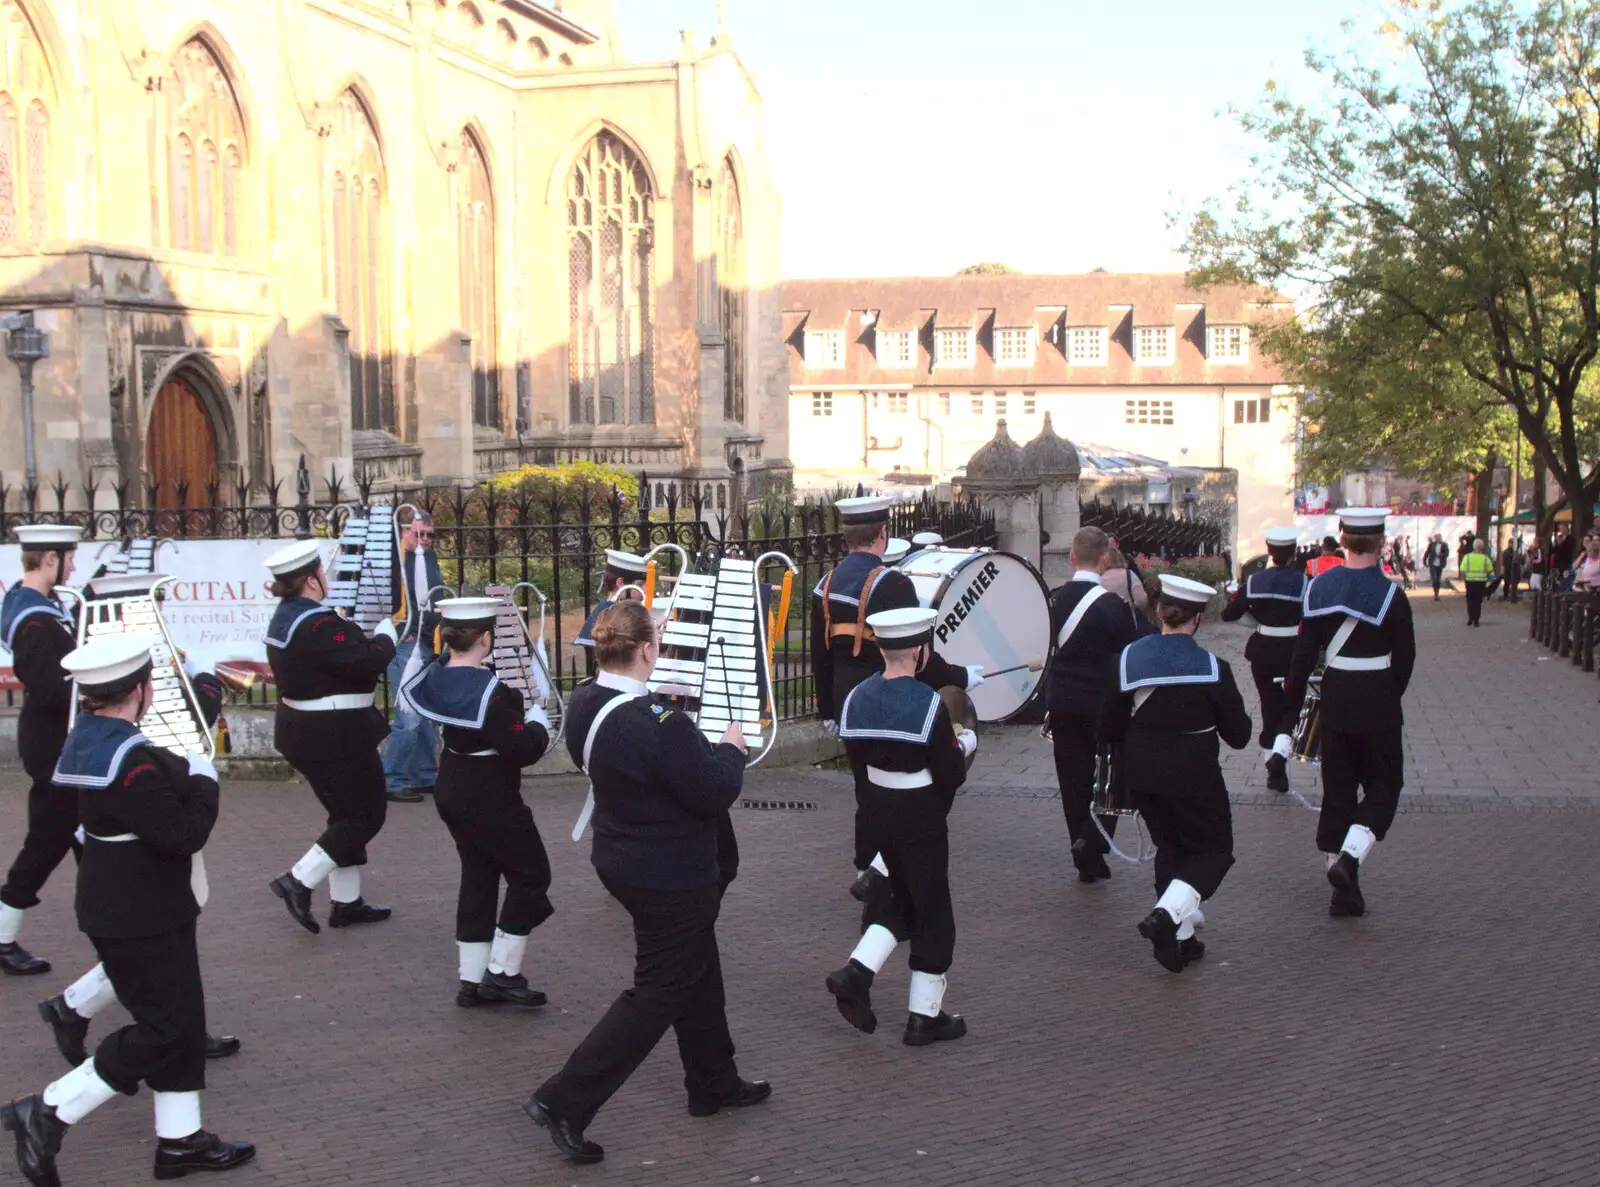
point(896, 549)
point(867, 509)
point(927, 539)
point(628, 562)
point(1181, 589)
point(906, 627)
point(1282, 536)
point(467, 609)
point(49, 535)
point(109, 658)
point(1362, 520)
point(297, 556)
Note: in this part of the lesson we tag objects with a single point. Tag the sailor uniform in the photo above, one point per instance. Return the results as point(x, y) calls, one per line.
point(1273, 598)
point(625, 567)
point(487, 743)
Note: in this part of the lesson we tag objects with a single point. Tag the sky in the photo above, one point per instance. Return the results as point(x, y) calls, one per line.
point(913, 137)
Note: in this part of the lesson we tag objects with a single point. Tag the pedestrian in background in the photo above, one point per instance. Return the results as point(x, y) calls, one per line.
point(1511, 569)
point(1587, 574)
point(1476, 570)
point(1436, 557)
point(410, 763)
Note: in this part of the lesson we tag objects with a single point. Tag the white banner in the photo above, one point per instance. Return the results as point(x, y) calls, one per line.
point(1417, 529)
point(218, 607)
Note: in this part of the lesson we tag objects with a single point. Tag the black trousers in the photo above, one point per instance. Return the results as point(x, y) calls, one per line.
point(908, 827)
point(1193, 838)
point(353, 792)
point(495, 838)
point(1509, 593)
point(1072, 739)
point(1274, 710)
point(1435, 575)
point(157, 979)
point(1361, 779)
point(677, 983)
point(727, 852)
point(1475, 594)
point(52, 828)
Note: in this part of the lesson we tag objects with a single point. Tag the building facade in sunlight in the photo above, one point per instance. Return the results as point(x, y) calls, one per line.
point(425, 237)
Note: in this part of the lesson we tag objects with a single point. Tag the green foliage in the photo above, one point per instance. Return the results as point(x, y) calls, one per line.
point(567, 481)
point(1196, 568)
point(987, 269)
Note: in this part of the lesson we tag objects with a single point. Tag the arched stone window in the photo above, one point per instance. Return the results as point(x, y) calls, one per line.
point(360, 241)
point(730, 287)
point(27, 97)
point(205, 150)
point(476, 268)
point(610, 229)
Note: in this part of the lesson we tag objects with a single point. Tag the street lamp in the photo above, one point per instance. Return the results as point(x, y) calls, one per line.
point(26, 344)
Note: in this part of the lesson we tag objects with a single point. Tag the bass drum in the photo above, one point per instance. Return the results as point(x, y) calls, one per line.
point(994, 610)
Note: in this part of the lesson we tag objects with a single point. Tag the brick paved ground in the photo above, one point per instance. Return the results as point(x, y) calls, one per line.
point(1449, 1037)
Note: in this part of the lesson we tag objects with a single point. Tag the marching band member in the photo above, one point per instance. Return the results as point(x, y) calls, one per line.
point(328, 730)
point(1272, 597)
point(1362, 620)
point(488, 738)
point(1173, 699)
point(927, 540)
point(146, 815)
point(1091, 627)
point(38, 632)
point(622, 568)
point(659, 788)
point(908, 756)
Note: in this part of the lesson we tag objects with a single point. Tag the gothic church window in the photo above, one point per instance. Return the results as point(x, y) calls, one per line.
point(476, 255)
point(27, 96)
point(730, 281)
point(360, 242)
point(205, 153)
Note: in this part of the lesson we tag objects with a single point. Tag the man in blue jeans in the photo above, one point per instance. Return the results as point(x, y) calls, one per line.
point(410, 764)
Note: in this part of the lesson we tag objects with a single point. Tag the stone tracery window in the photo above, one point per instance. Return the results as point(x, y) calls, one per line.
point(476, 265)
point(730, 288)
point(206, 153)
point(360, 240)
point(610, 233)
point(27, 96)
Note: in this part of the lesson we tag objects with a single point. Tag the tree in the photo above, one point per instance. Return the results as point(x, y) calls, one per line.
point(1443, 220)
point(989, 269)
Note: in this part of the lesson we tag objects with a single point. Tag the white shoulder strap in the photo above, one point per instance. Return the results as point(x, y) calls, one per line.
point(1095, 593)
point(1340, 638)
point(1140, 696)
point(588, 749)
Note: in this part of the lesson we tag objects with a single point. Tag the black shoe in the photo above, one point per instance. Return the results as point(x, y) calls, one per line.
point(1162, 932)
point(568, 1138)
point(360, 911)
point(428, 790)
point(1344, 877)
point(922, 1030)
point(1191, 949)
point(869, 886)
point(221, 1046)
point(19, 962)
point(200, 1151)
point(70, 1028)
point(297, 897)
point(404, 797)
point(1277, 773)
point(39, 1135)
point(851, 987)
point(1093, 867)
point(749, 1092)
point(514, 991)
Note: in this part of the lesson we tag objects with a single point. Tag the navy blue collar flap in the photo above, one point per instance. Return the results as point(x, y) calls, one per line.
point(586, 631)
point(849, 576)
point(456, 696)
point(1361, 593)
point(1278, 583)
point(898, 710)
point(1159, 660)
point(95, 749)
point(20, 603)
point(286, 619)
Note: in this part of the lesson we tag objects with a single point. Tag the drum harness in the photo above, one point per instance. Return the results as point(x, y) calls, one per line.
point(1333, 658)
point(858, 630)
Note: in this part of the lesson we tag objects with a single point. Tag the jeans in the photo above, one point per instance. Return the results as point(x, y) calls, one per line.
point(411, 759)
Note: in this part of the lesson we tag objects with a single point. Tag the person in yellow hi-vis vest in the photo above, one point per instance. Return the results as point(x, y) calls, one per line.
point(1476, 571)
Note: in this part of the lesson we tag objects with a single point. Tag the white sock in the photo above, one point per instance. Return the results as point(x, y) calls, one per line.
point(1328, 859)
point(10, 923)
point(1266, 754)
point(177, 1114)
point(1283, 744)
point(1197, 917)
point(1179, 901)
point(311, 869)
point(1358, 842)
point(344, 884)
point(506, 956)
point(90, 993)
point(474, 959)
point(875, 947)
point(927, 994)
point(78, 1093)
point(1186, 928)
point(879, 865)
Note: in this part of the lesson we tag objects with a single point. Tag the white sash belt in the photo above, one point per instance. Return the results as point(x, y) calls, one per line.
point(339, 700)
point(1278, 632)
point(118, 837)
point(199, 885)
point(475, 753)
point(1358, 663)
point(899, 780)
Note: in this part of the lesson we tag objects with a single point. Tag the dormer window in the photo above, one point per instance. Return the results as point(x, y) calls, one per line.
point(1086, 346)
point(1228, 344)
point(952, 348)
point(1014, 348)
point(824, 349)
point(897, 349)
point(1152, 345)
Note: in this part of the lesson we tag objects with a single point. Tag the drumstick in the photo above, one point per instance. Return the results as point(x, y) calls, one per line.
point(1033, 665)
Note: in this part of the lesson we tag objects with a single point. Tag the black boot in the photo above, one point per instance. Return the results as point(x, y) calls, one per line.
point(19, 962)
point(1191, 949)
point(1158, 927)
point(1092, 865)
point(39, 1134)
point(851, 987)
point(513, 990)
point(869, 886)
point(70, 1028)
point(1277, 773)
point(1347, 900)
point(200, 1151)
point(297, 897)
point(749, 1092)
point(568, 1137)
point(360, 911)
point(942, 1028)
point(221, 1046)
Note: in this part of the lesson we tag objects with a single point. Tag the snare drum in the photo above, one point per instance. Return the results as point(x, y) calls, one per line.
point(1111, 794)
point(994, 610)
point(1308, 730)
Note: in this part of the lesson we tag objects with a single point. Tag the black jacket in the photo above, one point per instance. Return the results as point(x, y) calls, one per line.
point(1357, 702)
point(1078, 671)
point(39, 635)
point(314, 653)
point(925, 742)
point(475, 712)
point(1272, 598)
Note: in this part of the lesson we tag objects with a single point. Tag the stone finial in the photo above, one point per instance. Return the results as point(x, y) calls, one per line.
point(1052, 456)
point(1000, 460)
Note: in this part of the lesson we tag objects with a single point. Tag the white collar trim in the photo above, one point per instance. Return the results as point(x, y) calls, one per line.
point(622, 683)
point(1086, 575)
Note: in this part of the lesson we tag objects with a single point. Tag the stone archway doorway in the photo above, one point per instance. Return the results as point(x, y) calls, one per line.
point(181, 447)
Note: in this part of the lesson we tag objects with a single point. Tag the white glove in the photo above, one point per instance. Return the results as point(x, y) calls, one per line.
point(189, 669)
point(1233, 588)
point(832, 727)
point(199, 764)
point(974, 676)
point(535, 714)
point(967, 740)
point(386, 629)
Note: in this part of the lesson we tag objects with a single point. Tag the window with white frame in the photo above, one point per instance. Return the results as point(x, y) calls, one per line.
point(1227, 344)
point(975, 404)
point(999, 404)
point(1013, 348)
point(1030, 404)
point(824, 348)
point(899, 403)
point(1086, 345)
point(952, 348)
point(1152, 344)
point(944, 404)
point(821, 403)
point(1147, 412)
point(1252, 412)
point(896, 348)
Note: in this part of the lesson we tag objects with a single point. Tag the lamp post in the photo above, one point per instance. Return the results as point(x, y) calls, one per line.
point(25, 345)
